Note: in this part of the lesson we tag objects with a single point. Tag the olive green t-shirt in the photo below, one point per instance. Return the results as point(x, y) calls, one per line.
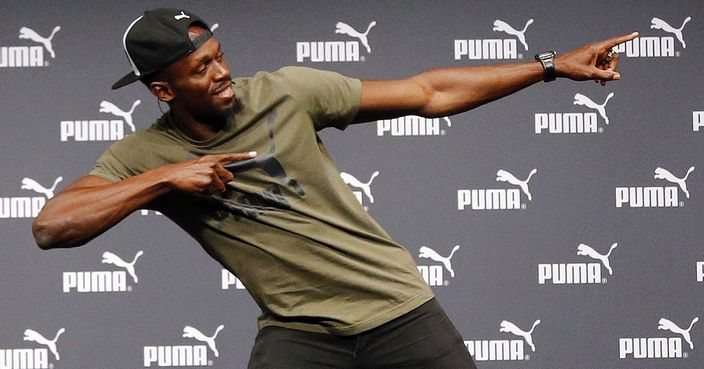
point(288, 226)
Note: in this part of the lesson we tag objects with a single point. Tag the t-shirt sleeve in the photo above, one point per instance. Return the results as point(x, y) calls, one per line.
point(332, 99)
point(111, 166)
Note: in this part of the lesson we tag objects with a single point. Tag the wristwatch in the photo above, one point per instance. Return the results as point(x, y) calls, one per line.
point(547, 60)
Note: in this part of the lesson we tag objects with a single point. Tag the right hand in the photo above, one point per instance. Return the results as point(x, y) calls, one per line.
point(206, 174)
point(589, 61)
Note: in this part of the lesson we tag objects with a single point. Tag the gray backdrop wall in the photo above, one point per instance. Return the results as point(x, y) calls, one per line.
point(559, 227)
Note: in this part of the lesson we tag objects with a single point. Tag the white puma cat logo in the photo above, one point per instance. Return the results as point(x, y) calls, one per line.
point(182, 16)
point(657, 23)
point(190, 332)
point(346, 29)
point(586, 250)
point(661, 173)
point(30, 335)
point(30, 34)
point(504, 176)
point(580, 99)
point(30, 184)
point(668, 325)
point(108, 107)
point(502, 26)
point(110, 258)
point(350, 180)
point(509, 327)
point(428, 253)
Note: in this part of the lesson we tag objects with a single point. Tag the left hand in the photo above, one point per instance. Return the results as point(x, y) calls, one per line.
point(589, 61)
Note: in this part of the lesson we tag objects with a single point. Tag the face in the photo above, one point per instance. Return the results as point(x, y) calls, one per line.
point(199, 84)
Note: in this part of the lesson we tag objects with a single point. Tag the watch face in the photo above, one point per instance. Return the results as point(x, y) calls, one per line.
point(546, 55)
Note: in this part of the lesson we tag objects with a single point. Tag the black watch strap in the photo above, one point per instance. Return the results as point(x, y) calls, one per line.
point(547, 60)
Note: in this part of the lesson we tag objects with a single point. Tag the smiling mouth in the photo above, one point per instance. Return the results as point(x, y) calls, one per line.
point(225, 91)
point(222, 88)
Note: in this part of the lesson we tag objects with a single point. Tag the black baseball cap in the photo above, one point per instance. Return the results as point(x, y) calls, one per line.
point(157, 39)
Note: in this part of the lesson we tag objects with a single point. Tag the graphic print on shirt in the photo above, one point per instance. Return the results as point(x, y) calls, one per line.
point(254, 204)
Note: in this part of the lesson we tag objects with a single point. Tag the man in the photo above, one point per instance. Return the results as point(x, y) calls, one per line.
point(239, 166)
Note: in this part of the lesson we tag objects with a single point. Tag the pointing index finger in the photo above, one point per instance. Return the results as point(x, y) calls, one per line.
point(229, 158)
point(619, 40)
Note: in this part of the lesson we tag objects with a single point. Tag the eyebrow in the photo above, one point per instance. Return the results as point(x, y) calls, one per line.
point(206, 57)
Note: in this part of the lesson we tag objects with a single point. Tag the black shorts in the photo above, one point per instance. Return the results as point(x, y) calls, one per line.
point(422, 339)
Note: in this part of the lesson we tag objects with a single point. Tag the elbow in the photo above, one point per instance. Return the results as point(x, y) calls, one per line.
point(43, 235)
point(48, 236)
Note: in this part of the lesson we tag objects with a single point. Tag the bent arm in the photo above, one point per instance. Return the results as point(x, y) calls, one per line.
point(91, 205)
point(447, 91)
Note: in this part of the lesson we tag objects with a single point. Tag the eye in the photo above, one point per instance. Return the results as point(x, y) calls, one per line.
point(219, 56)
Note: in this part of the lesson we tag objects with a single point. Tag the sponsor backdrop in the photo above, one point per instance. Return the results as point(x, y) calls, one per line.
point(558, 227)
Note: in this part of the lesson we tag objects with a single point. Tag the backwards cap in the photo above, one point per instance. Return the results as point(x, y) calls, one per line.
point(157, 39)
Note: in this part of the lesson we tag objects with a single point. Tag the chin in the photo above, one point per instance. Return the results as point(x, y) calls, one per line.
point(227, 110)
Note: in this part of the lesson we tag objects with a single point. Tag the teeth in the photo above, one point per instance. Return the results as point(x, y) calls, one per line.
point(227, 91)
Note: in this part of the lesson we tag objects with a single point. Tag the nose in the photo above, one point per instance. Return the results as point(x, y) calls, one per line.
point(222, 71)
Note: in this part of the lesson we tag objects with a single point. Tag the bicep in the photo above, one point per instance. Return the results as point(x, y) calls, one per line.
point(391, 98)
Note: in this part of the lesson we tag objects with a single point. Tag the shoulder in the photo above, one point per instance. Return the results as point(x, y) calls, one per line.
point(143, 143)
point(293, 76)
point(134, 140)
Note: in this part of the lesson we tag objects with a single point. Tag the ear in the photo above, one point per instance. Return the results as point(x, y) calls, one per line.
point(162, 90)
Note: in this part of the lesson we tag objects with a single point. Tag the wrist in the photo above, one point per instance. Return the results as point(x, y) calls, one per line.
point(547, 60)
point(159, 180)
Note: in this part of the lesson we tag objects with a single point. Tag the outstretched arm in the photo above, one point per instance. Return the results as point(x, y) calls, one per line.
point(447, 91)
point(91, 205)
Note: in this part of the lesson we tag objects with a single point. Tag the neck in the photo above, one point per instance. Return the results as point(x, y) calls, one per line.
point(197, 128)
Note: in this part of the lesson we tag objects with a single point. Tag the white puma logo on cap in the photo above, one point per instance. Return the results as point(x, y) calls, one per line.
point(181, 16)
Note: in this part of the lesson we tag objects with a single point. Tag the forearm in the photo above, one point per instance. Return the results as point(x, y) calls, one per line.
point(79, 214)
point(454, 90)
point(92, 205)
point(444, 91)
